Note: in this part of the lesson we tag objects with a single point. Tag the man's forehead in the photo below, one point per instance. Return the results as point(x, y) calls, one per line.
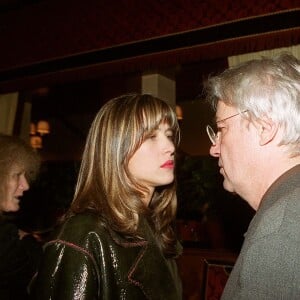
point(224, 110)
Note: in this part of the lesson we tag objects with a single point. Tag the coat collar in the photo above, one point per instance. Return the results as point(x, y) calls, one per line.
point(271, 212)
point(144, 255)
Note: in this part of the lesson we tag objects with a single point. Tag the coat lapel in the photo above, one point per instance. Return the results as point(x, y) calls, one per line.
point(148, 269)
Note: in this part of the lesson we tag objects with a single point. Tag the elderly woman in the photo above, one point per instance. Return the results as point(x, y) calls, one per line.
point(19, 252)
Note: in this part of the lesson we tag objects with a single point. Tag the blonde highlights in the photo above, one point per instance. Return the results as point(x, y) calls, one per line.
point(105, 184)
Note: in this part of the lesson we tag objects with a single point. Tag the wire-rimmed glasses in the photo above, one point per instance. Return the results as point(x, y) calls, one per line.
point(213, 136)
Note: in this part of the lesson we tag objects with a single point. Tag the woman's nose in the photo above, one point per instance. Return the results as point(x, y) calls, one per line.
point(170, 147)
point(24, 185)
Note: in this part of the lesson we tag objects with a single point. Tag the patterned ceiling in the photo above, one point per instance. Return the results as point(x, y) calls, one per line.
point(43, 36)
point(87, 49)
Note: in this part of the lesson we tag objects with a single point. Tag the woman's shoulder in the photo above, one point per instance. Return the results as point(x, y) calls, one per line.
point(8, 230)
point(9, 239)
point(82, 233)
point(81, 224)
point(7, 224)
point(85, 218)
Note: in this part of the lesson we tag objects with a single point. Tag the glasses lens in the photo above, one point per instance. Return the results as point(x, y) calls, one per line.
point(211, 134)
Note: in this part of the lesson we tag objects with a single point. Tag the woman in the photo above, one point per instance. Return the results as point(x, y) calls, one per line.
point(19, 252)
point(117, 241)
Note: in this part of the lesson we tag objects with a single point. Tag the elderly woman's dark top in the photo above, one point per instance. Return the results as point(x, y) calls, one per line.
point(18, 261)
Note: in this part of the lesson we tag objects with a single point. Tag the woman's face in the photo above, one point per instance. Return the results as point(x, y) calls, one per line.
point(16, 184)
point(153, 163)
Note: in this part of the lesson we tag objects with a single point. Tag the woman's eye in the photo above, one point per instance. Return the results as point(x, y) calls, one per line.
point(16, 175)
point(152, 136)
point(170, 136)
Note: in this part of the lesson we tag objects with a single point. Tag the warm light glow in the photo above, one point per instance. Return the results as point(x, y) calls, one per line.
point(36, 142)
point(37, 132)
point(43, 127)
point(32, 129)
point(179, 112)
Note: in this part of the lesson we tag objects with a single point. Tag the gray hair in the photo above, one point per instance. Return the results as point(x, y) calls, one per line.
point(14, 151)
point(263, 87)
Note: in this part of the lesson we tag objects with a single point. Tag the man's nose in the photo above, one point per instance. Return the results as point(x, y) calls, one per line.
point(214, 150)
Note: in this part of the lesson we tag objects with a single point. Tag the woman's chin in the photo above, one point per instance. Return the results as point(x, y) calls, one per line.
point(12, 206)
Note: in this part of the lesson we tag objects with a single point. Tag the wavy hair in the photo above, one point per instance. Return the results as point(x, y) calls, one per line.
point(105, 184)
point(14, 151)
point(263, 87)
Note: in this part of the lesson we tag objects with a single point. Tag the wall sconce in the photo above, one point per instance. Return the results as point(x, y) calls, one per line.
point(43, 127)
point(32, 129)
point(36, 142)
point(179, 112)
point(37, 132)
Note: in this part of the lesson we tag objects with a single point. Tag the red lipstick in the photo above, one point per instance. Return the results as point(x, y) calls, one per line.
point(168, 164)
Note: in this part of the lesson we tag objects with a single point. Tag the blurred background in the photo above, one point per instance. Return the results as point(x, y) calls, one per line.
point(61, 60)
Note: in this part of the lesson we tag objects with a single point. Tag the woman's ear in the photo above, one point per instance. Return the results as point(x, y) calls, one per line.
point(267, 130)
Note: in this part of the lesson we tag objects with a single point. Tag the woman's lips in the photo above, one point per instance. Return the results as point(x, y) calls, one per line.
point(168, 164)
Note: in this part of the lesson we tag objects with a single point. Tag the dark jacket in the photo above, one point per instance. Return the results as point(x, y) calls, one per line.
point(268, 266)
point(18, 262)
point(89, 261)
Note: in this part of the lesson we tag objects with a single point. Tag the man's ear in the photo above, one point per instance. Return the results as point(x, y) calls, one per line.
point(267, 130)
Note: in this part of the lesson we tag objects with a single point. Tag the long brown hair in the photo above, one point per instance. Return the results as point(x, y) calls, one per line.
point(105, 184)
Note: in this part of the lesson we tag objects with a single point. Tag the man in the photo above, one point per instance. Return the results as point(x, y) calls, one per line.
point(257, 143)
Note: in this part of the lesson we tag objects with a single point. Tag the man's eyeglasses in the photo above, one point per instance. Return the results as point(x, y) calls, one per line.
point(213, 136)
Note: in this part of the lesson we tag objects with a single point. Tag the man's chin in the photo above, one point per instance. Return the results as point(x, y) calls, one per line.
point(227, 186)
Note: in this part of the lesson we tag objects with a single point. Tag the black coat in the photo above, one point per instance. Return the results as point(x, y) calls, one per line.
point(18, 262)
point(89, 261)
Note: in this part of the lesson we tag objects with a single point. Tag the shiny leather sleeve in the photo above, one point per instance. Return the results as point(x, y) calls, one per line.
point(67, 272)
point(89, 261)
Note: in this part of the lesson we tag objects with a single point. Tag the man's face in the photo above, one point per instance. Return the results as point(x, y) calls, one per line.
point(235, 148)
